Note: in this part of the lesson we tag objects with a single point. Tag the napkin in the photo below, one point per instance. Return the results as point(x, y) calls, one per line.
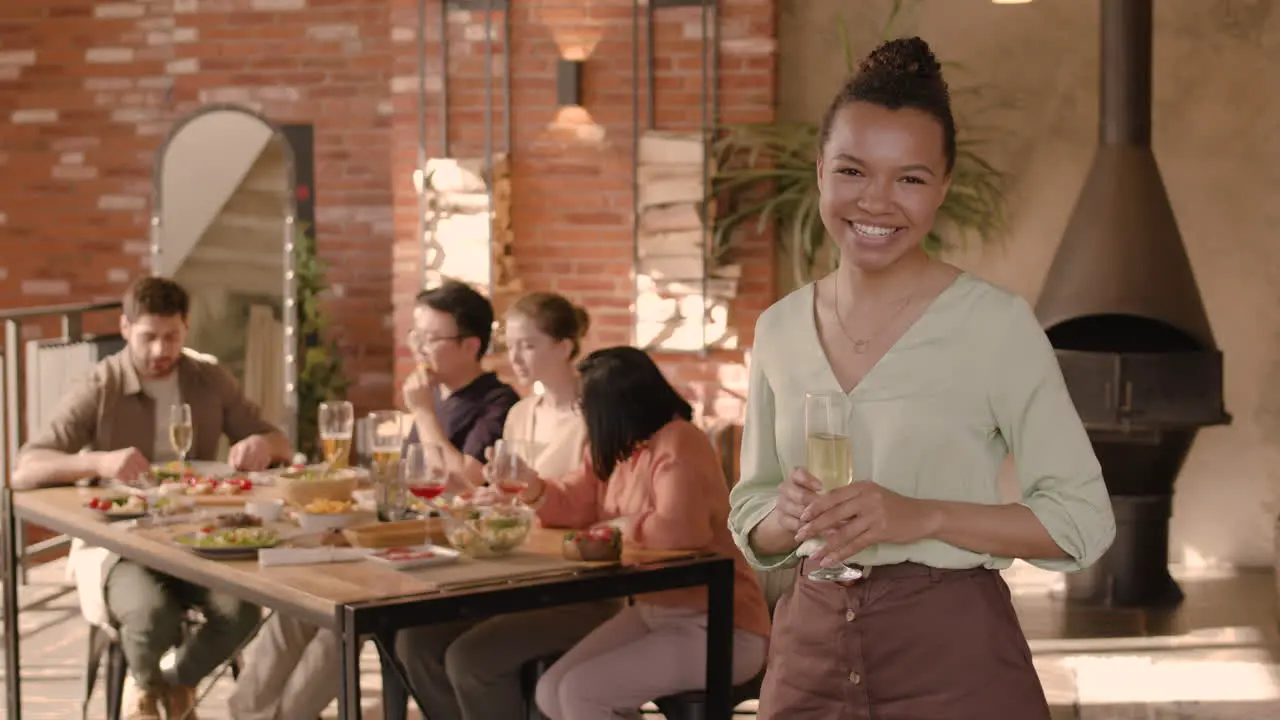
point(311, 556)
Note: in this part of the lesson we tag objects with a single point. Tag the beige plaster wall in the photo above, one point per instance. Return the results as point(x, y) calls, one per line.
point(1217, 139)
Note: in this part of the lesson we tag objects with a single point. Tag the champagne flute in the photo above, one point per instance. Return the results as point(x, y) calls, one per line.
point(829, 458)
point(337, 424)
point(180, 431)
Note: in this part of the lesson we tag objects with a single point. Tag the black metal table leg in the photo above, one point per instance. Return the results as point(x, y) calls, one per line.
point(12, 661)
point(349, 692)
point(720, 642)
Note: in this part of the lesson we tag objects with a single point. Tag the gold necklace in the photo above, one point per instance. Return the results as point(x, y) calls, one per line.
point(862, 345)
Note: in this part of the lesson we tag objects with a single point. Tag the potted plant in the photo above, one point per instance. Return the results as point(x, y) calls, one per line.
point(320, 373)
point(766, 174)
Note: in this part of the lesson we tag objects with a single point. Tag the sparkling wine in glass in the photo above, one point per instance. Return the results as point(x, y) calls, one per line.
point(337, 425)
point(180, 431)
point(829, 458)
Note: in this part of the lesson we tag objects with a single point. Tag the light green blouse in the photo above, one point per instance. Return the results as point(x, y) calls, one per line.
point(971, 381)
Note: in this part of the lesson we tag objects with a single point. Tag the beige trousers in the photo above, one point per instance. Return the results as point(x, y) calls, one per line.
point(292, 671)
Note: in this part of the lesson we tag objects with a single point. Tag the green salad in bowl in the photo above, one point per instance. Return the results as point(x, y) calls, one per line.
point(482, 531)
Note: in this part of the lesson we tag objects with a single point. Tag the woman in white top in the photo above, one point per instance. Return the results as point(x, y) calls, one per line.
point(472, 670)
point(543, 332)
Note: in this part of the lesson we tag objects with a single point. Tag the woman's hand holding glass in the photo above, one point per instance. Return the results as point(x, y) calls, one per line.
point(855, 517)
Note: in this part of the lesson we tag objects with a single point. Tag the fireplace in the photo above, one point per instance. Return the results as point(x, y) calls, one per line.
point(1121, 308)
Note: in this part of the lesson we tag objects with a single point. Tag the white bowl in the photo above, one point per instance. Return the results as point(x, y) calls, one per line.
point(268, 510)
point(320, 522)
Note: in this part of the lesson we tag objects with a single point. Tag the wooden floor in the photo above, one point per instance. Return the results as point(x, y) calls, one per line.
point(1216, 657)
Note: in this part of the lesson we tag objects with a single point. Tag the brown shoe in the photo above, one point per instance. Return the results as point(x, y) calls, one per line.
point(180, 703)
point(140, 704)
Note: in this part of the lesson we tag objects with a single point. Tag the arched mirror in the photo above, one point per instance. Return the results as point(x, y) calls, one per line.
point(222, 225)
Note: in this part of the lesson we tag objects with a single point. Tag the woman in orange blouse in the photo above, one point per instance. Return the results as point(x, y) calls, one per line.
point(654, 475)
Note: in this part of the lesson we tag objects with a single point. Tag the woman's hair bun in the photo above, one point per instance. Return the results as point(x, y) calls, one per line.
point(903, 58)
point(584, 320)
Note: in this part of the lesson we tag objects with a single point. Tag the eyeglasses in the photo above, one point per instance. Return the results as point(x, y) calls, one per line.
point(418, 339)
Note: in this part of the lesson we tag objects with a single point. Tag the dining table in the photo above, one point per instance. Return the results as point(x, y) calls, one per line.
point(361, 599)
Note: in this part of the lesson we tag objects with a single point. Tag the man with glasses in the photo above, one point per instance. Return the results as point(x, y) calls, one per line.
point(455, 403)
point(291, 664)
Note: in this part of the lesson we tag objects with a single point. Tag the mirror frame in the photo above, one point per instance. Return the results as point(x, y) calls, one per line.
point(290, 208)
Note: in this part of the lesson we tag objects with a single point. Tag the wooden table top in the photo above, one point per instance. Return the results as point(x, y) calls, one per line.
point(313, 592)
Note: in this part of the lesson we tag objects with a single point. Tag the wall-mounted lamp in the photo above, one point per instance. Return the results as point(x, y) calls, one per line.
point(568, 82)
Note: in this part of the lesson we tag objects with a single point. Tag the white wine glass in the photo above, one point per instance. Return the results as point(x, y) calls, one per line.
point(180, 431)
point(829, 458)
point(337, 424)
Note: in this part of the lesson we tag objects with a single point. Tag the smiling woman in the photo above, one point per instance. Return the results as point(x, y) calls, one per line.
point(946, 375)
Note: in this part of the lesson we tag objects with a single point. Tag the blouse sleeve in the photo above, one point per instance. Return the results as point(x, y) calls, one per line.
point(1059, 474)
point(571, 501)
point(756, 492)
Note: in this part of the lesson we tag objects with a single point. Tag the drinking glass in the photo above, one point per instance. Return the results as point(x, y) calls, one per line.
point(504, 468)
point(385, 439)
point(180, 431)
point(337, 424)
point(829, 458)
point(423, 472)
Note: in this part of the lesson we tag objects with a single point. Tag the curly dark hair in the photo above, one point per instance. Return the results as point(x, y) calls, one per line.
point(901, 73)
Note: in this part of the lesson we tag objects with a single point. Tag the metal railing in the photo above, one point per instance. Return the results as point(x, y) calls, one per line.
point(14, 550)
point(16, 412)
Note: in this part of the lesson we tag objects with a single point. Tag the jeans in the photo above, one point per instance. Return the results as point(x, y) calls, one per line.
point(149, 608)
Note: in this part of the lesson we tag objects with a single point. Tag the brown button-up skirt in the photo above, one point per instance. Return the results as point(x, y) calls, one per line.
point(907, 642)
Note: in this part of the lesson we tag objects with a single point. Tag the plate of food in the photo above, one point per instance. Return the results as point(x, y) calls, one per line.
point(119, 507)
point(228, 543)
point(408, 558)
point(205, 479)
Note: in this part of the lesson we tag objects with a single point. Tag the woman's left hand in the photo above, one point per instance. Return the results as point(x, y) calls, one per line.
point(852, 518)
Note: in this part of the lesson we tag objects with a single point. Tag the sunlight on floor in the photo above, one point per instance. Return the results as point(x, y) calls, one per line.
point(1135, 679)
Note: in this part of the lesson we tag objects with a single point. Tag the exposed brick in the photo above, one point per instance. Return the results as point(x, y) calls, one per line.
point(46, 287)
point(17, 57)
point(268, 5)
point(109, 55)
point(119, 10)
point(33, 116)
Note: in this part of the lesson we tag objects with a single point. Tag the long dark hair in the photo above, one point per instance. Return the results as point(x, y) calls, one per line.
point(625, 400)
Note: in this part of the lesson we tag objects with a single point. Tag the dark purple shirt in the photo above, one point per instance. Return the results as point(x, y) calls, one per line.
point(474, 415)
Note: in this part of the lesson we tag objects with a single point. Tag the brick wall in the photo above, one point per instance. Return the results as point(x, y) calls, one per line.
point(572, 173)
point(88, 89)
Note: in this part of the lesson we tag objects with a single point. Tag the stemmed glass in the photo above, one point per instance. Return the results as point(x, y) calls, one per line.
point(504, 468)
point(180, 431)
point(423, 471)
point(337, 423)
point(829, 458)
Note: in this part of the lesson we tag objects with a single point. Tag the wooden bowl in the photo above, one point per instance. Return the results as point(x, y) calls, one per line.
point(404, 533)
point(303, 487)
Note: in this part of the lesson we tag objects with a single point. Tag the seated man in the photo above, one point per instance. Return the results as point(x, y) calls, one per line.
point(120, 415)
point(455, 403)
point(291, 666)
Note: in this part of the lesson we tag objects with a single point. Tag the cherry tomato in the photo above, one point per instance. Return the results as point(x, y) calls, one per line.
point(245, 484)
